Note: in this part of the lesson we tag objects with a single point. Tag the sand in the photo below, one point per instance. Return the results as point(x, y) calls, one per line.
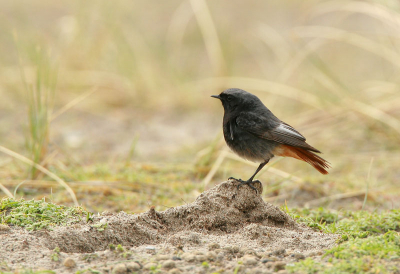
point(225, 227)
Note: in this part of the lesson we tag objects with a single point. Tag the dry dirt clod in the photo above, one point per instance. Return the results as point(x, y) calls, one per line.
point(149, 266)
point(4, 228)
point(279, 252)
point(299, 256)
point(279, 266)
point(168, 264)
point(133, 266)
point(189, 257)
point(119, 269)
point(151, 250)
point(251, 252)
point(213, 246)
point(249, 260)
point(232, 249)
point(211, 256)
point(162, 257)
point(201, 258)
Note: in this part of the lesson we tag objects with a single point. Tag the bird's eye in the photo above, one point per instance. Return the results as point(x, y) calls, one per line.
point(229, 98)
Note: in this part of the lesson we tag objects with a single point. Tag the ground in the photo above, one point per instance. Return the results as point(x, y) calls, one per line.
point(225, 230)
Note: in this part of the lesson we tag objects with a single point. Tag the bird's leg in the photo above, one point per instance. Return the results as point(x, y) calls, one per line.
point(250, 181)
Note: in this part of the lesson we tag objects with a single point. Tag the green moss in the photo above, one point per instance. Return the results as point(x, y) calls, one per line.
point(353, 224)
point(39, 214)
point(369, 242)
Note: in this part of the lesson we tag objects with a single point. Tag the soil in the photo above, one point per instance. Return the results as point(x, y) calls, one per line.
point(224, 230)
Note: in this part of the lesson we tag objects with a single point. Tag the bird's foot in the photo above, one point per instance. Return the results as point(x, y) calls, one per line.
point(248, 182)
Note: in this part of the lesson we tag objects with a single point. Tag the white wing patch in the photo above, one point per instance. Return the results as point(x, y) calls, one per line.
point(289, 130)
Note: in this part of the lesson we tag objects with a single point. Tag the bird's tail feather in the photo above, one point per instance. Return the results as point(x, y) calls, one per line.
point(313, 159)
point(305, 155)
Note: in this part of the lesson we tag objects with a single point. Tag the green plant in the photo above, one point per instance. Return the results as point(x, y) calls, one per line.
point(35, 215)
point(56, 254)
point(39, 95)
point(120, 248)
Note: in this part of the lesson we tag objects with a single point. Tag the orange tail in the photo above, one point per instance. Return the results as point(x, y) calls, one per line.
point(313, 159)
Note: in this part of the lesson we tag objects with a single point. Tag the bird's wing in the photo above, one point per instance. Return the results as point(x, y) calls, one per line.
point(277, 131)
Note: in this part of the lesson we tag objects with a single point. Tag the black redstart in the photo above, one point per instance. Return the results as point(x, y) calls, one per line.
point(253, 132)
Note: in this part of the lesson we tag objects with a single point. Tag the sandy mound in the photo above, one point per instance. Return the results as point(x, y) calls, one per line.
point(224, 215)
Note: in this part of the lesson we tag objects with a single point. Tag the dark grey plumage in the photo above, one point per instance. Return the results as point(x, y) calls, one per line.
point(253, 132)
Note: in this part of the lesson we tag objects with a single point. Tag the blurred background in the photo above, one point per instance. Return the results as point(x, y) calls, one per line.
point(107, 103)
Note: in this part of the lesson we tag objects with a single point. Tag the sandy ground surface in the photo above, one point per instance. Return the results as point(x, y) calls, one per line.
point(224, 230)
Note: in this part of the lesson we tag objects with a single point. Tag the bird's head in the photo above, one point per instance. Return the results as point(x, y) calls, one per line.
point(237, 99)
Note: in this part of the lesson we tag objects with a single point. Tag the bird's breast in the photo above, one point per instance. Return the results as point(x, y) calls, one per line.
point(247, 145)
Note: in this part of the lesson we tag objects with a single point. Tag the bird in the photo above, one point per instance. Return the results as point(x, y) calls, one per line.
point(253, 132)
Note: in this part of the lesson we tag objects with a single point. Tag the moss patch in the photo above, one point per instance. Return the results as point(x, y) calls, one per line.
point(38, 214)
point(370, 242)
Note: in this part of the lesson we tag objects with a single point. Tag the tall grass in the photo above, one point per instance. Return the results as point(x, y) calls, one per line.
point(39, 98)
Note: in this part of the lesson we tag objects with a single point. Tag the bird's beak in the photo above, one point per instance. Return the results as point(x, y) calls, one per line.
point(216, 96)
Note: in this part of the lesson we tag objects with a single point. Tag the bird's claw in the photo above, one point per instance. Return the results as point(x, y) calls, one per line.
point(242, 182)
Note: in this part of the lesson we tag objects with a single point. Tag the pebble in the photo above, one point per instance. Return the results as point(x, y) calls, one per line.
point(267, 261)
point(168, 264)
point(274, 258)
point(201, 258)
point(103, 221)
point(213, 246)
point(119, 269)
point(269, 265)
point(394, 258)
point(220, 257)
point(133, 266)
point(299, 256)
point(315, 253)
point(189, 257)
point(176, 258)
point(278, 252)
point(4, 227)
point(151, 250)
point(69, 262)
point(211, 256)
point(279, 266)
point(218, 250)
point(174, 271)
point(162, 257)
point(249, 260)
point(251, 252)
point(232, 249)
point(150, 266)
